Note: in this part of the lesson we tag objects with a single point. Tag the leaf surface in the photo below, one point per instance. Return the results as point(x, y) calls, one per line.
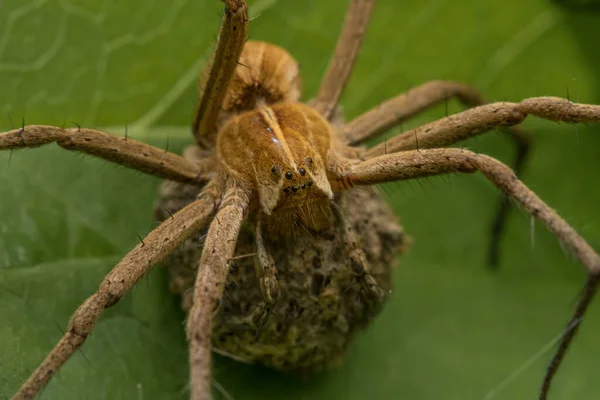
point(452, 330)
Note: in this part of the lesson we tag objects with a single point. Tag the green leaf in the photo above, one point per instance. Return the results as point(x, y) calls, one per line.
point(453, 329)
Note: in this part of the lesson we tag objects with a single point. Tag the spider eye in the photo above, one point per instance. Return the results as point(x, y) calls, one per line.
point(274, 170)
point(302, 171)
point(309, 160)
point(289, 175)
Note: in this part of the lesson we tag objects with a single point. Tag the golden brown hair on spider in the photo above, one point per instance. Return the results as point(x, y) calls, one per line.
point(281, 151)
point(281, 181)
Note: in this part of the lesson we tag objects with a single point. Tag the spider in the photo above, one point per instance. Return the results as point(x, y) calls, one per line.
point(283, 168)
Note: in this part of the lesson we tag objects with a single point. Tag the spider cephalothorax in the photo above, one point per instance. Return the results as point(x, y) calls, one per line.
point(281, 150)
point(265, 163)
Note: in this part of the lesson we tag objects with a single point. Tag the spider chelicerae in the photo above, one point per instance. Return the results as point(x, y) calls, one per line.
point(287, 170)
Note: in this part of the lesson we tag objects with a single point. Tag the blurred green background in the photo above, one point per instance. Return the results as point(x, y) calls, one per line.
point(452, 329)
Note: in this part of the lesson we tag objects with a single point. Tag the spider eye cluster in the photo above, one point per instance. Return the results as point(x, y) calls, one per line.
point(296, 187)
point(276, 170)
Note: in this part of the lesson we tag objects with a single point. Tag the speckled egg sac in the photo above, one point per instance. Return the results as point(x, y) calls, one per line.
point(322, 304)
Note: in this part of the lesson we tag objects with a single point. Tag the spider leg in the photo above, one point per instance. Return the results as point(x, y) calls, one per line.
point(127, 152)
point(228, 49)
point(154, 248)
point(208, 289)
point(406, 105)
point(475, 121)
point(346, 51)
point(454, 128)
point(420, 163)
point(357, 258)
point(396, 110)
point(266, 271)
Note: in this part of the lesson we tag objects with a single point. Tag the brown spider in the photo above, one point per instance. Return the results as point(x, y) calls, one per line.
point(284, 167)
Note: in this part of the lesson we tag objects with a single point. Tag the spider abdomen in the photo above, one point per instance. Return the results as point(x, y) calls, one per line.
point(266, 74)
